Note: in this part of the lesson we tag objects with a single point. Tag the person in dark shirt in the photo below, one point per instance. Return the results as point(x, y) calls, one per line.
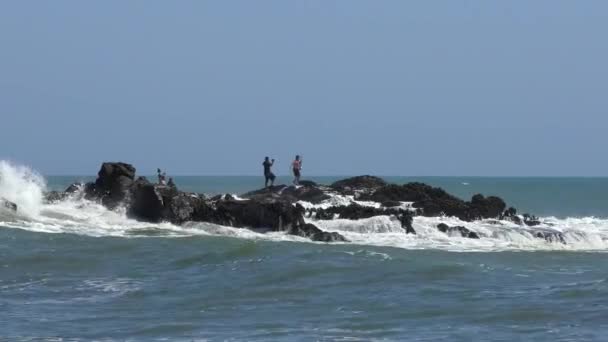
point(268, 175)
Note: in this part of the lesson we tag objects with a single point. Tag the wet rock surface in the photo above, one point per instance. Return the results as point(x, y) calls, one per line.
point(278, 208)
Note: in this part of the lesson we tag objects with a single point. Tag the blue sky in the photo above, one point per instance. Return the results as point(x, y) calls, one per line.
point(510, 88)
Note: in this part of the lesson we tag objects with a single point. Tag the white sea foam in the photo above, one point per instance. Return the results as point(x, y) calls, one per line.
point(76, 215)
point(337, 200)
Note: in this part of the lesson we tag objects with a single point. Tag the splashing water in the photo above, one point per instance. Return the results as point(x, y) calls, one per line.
point(76, 215)
point(22, 185)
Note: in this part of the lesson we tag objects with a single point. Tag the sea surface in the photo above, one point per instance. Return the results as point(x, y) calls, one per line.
point(74, 271)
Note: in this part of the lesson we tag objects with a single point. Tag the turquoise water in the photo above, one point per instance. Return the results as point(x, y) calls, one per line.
point(77, 272)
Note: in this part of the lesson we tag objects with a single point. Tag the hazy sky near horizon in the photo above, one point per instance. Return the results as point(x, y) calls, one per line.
point(508, 88)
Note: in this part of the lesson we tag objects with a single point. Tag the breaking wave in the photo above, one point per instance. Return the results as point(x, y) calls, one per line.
point(75, 215)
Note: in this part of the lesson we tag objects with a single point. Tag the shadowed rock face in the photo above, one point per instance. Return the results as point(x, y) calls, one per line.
point(113, 184)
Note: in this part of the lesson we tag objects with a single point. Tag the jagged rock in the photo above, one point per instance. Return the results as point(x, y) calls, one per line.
point(273, 215)
point(8, 204)
point(74, 187)
point(308, 191)
point(550, 236)
point(359, 183)
point(113, 183)
point(356, 212)
point(486, 207)
point(314, 233)
point(55, 196)
point(436, 202)
point(406, 222)
point(146, 203)
point(511, 215)
point(463, 231)
point(531, 220)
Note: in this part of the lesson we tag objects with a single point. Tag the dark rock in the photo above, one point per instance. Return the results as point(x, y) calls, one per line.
point(365, 183)
point(185, 207)
point(273, 215)
point(436, 202)
point(390, 204)
point(73, 188)
point(463, 231)
point(146, 203)
point(531, 220)
point(8, 204)
point(407, 219)
point(55, 196)
point(113, 183)
point(314, 233)
point(308, 183)
point(485, 207)
point(550, 236)
point(308, 191)
point(216, 198)
point(511, 215)
point(356, 212)
point(510, 212)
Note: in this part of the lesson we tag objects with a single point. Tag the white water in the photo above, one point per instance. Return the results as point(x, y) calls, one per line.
point(76, 215)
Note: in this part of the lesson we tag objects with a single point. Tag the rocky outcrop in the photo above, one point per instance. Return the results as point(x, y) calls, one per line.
point(264, 210)
point(436, 202)
point(356, 212)
point(307, 191)
point(114, 181)
point(353, 185)
point(463, 231)
point(525, 219)
point(548, 235)
point(277, 208)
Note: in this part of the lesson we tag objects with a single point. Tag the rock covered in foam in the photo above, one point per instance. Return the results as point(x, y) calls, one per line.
point(463, 231)
point(4, 203)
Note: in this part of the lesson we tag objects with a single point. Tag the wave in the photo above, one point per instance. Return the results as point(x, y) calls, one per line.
point(76, 215)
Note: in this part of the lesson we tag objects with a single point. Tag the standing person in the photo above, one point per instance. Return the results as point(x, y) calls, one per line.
point(161, 177)
point(268, 175)
point(296, 166)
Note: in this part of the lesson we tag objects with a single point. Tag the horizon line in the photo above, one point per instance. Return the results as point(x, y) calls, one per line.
point(349, 176)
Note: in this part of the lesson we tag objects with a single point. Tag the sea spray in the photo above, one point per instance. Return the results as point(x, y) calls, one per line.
point(23, 186)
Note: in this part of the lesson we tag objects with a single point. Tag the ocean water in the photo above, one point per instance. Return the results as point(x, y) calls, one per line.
point(75, 271)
